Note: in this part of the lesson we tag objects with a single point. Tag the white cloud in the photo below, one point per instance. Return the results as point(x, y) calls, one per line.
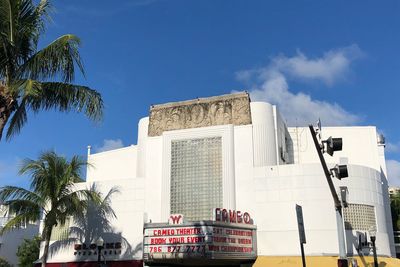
point(393, 172)
point(271, 85)
point(110, 144)
point(333, 66)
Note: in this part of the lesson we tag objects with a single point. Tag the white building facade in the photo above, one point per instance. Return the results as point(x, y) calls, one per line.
point(11, 240)
point(227, 152)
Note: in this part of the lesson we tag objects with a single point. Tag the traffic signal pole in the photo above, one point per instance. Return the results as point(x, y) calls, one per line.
point(338, 205)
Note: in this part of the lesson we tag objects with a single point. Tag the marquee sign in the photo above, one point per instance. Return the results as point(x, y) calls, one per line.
point(230, 236)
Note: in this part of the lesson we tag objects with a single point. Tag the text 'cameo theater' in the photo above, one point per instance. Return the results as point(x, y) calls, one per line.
point(215, 181)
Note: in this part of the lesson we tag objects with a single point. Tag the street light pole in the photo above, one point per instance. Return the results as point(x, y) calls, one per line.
point(100, 246)
point(342, 261)
point(341, 238)
point(372, 236)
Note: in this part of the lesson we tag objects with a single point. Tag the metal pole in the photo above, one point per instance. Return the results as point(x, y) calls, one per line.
point(373, 238)
point(325, 168)
point(302, 234)
point(341, 238)
point(99, 256)
point(342, 261)
point(303, 258)
point(343, 227)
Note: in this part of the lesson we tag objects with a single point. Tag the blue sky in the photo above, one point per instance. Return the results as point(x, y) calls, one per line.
point(338, 60)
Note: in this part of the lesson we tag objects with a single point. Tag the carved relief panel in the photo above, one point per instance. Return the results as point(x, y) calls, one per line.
point(227, 109)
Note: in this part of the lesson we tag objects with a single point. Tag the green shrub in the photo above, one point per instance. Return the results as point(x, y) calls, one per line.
point(28, 252)
point(4, 263)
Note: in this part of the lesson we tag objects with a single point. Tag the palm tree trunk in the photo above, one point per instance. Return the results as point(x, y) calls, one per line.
point(4, 116)
point(46, 247)
point(6, 108)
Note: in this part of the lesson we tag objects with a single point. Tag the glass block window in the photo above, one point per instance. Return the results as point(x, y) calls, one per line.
point(196, 177)
point(359, 217)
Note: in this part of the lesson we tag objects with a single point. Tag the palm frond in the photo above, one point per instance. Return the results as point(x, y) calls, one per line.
point(38, 171)
point(29, 26)
point(17, 121)
point(57, 59)
point(13, 192)
point(31, 167)
point(48, 174)
point(16, 222)
point(74, 201)
point(30, 208)
point(19, 25)
point(7, 18)
point(76, 165)
point(42, 10)
point(26, 88)
point(65, 97)
point(112, 191)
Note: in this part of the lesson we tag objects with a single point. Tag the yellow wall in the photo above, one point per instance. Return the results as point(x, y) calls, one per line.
point(322, 261)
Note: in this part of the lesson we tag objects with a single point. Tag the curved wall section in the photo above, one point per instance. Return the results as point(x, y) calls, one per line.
point(277, 189)
point(366, 187)
point(264, 140)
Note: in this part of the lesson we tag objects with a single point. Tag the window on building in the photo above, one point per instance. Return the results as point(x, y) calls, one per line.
point(196, 177)
point(359, 217)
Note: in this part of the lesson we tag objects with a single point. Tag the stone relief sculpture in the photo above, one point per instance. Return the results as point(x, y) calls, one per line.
point(198, 115)
point(241, 109)
point(227, 109)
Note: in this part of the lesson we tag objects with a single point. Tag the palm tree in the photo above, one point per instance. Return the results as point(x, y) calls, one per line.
point(52, 193)
point(38, 79)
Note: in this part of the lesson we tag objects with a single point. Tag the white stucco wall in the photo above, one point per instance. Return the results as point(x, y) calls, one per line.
point(119, 163)
point(10, 241)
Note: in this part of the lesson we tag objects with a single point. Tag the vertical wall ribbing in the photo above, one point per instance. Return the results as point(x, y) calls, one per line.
point(264, 139)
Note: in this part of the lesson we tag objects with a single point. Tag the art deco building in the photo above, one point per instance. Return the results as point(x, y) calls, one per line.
point(234, 171)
